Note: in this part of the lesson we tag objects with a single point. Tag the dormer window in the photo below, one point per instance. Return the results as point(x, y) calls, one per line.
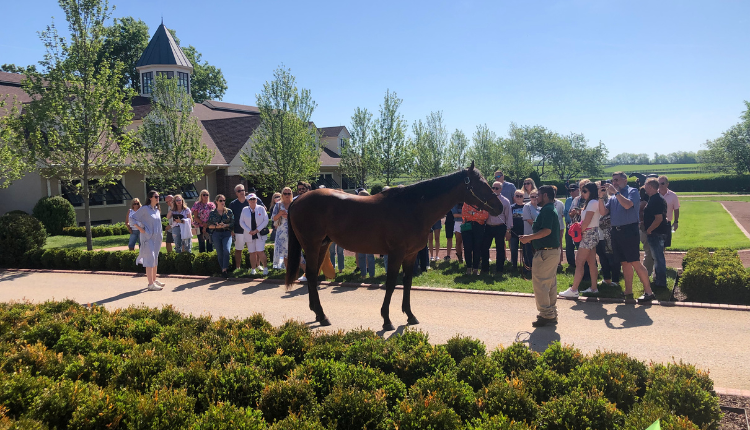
point(183, 81)
point(148, 82)
point(342, 143)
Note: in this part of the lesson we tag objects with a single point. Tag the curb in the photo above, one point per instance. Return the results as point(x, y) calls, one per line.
point(732, 392)
point(744, 308)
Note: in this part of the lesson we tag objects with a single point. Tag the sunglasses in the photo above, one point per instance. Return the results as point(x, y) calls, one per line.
point(178, 200)
point(253, 198)
point(136, 204)
point(222, 201)
point(520, 196)
point(239, 191)
point(534, 197)
point(204, 195)
point(496, 188)
point(662, 183)
point(287, 194)
point(527, 183)
point(498, 176)
point(154, 197)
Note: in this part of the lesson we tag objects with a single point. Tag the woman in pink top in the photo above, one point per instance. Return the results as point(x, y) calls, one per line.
point(200, 211)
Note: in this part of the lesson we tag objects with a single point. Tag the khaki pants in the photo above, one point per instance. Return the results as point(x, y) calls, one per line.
point(544, 280)
point(648, 258)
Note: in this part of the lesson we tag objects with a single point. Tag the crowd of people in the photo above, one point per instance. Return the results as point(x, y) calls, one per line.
point(604, 219)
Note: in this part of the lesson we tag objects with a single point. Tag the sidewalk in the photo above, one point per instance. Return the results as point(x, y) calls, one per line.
point(712, 339)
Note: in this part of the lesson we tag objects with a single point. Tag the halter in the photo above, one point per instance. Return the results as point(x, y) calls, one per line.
point(469, 188)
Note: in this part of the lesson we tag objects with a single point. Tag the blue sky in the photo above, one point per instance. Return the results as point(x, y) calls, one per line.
point(641, 76)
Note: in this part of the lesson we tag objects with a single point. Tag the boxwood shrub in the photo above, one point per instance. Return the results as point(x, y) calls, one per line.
point(19, 234)
point(55, 213)
point(715, 278)
point(69, 366)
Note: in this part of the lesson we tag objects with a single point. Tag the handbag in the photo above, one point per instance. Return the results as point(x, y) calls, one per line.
point(264, 231)
point(465, 227)
point(576, 232)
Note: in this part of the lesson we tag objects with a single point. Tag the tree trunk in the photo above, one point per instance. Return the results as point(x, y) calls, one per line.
point(86, 209)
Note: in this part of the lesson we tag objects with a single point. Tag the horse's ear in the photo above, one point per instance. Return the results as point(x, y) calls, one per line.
point(472, 165)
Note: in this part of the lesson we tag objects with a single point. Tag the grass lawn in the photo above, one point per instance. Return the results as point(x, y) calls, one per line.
point(453, 275)
point(722, 198)
point(659, 168)
point(80, 242)
point(706, 223)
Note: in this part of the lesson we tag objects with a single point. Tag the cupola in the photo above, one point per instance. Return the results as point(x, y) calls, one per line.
point(163, 56)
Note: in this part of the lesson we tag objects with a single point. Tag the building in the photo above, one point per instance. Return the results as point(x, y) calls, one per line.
point(227, 129)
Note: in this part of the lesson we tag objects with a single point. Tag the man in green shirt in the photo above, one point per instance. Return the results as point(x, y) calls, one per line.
point(546, 242)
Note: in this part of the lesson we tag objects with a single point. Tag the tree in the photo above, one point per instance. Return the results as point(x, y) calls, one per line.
point(75, 124)
point(285, 146)
point(485, 151)
point(431, 147)
point(125, 41)
point(732, 150)
point(12, 157)
point(171, 153)
point(12, 68)
point(390, 147)
point(457, 150)
point(571, 157)
point(516, 160)
point(357, 154)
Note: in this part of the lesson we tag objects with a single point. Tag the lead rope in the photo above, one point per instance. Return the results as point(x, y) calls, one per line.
point(484, 202)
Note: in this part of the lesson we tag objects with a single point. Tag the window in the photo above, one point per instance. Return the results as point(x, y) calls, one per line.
point(113, 194)
point(148, 82)
point(169, 75)
point(342, 143)
point(183, 81)
point(188, 191)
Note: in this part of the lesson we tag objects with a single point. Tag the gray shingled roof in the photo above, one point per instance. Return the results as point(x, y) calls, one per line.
point(330, 131)
point(162, 49)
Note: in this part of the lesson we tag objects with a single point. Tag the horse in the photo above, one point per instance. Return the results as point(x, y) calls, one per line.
point(395, 222)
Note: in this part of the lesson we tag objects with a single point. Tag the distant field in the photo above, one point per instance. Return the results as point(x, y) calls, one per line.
point(666, 169)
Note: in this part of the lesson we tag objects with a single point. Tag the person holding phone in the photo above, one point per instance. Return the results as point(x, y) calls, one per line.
point(181, 225)
point(201, 209)
point(221, 224)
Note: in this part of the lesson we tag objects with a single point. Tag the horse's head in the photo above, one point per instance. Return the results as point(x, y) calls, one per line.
point(479, 193)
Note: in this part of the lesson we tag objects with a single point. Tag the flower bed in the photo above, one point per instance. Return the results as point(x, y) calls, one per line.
point(68, 366)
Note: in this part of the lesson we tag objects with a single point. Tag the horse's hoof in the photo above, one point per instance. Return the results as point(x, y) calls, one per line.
point(412, 320)
point(388, 327)
point(323, 322)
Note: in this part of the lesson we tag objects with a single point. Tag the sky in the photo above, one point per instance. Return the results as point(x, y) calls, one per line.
point(639, 76)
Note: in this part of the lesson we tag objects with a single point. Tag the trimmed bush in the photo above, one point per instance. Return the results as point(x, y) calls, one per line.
point(579, 410)
point(561, 358)
point(715, 278)
point(515, 358)
point(496, 422)
point(508, 398)
point(226, 416)
point(19, 234)
point(479, 371)
point(460, 347)
point(206, 264)
point(457, 395)
point(282, 398)
point(55, 213)
point(297, 422)
point(620, 378)
point(99, 260)
point(348, 408)
point(427, 412)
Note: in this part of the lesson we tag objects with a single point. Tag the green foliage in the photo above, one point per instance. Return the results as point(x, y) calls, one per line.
point(479, 371)
point(97, 231)
point(63, 365)
point(172, 154)
point(357, 156)
point(507, 397)
point(125, 41)
point(457, 151)
point(485, 151)
point(376, 189)
point(561, 359)
point(281, 398)
point(207, 82)
point(390, 147)
point(684, 390)
point(579, 410)
point(715, 278)
point(13, 155)
point(350, 407)
point(515, 358)
point(733, 147)
point(55, 213)
point(455, 394)
point(206, 264)
point(226, 416)
point(99, 260)
point(18, 235)
point(460, 347)
point(430, 147)
point(286, 148)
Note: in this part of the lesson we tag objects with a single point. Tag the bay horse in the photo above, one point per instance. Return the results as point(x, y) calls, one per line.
point(395, 222)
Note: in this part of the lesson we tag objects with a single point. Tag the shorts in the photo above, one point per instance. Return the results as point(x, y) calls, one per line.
point(448, 232)
point(169, 238)
point(438, 225)
point(626, 243)
point(254, 245)
point(457, 227)
point(590, 238)
point(239, 241)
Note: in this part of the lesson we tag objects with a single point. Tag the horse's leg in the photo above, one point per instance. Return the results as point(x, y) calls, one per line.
point(394, 263)
point(406, 304)
point(312, 271)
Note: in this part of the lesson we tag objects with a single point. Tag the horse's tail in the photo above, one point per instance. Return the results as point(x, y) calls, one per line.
point(294, 252)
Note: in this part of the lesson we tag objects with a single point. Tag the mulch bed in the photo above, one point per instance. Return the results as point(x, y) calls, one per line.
point(732, 420)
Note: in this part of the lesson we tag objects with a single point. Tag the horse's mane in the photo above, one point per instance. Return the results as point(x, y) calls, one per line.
point(428, 188)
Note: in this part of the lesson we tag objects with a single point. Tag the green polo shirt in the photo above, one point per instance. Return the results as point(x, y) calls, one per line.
point(547, 218)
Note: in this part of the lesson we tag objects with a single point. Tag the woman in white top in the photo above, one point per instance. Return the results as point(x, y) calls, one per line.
point(181, 225)
point(134, 233)
point(587, 248)
point(254, 218)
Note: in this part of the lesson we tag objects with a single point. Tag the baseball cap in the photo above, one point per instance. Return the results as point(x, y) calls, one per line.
point(573, 187)
point(252, 196)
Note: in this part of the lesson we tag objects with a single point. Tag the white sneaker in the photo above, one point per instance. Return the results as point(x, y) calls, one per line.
point(159, 284)
point(265, 270)
point(252, 272)
point(154, 287)
point(589, 291)
point(428, 267)
point(302, 278)
point(569, 293)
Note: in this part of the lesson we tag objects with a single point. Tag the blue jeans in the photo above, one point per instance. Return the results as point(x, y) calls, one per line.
point(177, 238)
point(223, 243)
point(135, 238)
point(656, 242)
point(369, 267)
point(334, 251)
point(204, 245)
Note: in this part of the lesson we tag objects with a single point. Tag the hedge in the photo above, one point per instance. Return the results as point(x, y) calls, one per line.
point(69, 366)
point(19, 233)
point(103, 230)
point(204, 264)
point(55, 213)
point(715, 278)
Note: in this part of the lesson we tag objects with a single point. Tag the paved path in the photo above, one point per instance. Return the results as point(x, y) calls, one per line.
point(709, 338)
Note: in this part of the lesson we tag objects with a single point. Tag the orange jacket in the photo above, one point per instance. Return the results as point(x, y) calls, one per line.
point(470, 213)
